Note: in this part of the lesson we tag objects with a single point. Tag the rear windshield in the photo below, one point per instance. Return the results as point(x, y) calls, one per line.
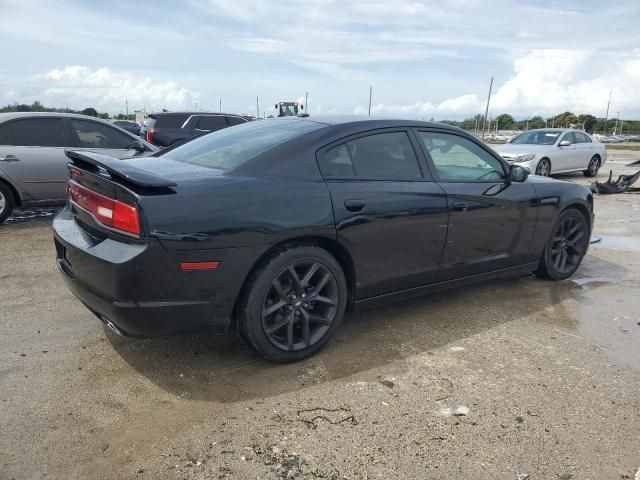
point(229, 148)
point(170, 120)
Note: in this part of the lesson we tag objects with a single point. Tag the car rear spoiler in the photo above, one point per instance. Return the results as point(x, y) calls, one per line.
point(117, 169)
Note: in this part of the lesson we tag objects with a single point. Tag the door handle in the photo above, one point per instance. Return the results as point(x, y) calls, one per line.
point(354, 205)
point(9, 158)
point(461, 206)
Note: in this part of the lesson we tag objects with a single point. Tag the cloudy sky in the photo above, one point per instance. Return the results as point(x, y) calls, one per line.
point(424, 58)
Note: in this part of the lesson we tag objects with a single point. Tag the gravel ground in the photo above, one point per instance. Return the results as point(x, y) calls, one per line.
point(496, 381)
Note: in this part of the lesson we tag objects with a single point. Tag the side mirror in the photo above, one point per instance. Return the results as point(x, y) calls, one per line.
point(138, 146)
point(564, 143)
point(518, 173)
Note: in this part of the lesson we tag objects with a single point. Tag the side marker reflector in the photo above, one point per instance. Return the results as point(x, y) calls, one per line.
point(189, 266)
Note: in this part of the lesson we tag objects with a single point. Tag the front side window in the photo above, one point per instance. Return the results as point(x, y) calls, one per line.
point(96, 135)
point(458, 159)
point(39, 132)
point(382, 156)
point(568, 137)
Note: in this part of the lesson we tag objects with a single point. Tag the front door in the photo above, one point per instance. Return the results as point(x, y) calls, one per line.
point(491, 220)
point(389, 214)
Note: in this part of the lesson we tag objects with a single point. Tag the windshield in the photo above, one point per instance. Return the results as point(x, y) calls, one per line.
point(537, 137)
point(231, 147)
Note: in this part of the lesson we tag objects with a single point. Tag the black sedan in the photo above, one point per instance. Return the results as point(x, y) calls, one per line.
point(275, 228)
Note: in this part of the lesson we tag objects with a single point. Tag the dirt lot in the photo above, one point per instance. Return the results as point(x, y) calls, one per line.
point(510, 377)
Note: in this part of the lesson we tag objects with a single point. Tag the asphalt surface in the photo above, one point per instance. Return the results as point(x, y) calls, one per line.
point(496, 381)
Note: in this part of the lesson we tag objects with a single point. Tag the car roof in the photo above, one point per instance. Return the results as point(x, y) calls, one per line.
point(367, 123)
point(13, 115)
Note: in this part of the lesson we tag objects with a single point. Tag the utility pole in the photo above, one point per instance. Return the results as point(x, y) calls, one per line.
point(370, 95)
point(621, 123)
point(195, 109)
point(486, 110)
point(527, 127)
point(615, 129)
point(306, 102)
point(553, 122)
point(257, 108)
point(606, 117)
point(220, 105)
point(126, 102)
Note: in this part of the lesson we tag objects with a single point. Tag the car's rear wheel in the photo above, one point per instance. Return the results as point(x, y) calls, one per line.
point(566, 247)
point(593, 167)
point(544, 168)
point(294, 303)
point(7, 202)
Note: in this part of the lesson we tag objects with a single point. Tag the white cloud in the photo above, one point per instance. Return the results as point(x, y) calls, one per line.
point(546, 82)
point(103, 89)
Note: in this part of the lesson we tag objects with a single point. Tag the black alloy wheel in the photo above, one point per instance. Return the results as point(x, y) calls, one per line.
point(300, 306)
point(566, 247)
point(293, 304)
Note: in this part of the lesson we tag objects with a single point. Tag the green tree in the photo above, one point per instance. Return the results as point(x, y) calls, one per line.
point(505, 121)
point(92, 112)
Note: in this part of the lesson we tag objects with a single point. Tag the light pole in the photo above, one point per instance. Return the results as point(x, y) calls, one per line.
point(486, 110)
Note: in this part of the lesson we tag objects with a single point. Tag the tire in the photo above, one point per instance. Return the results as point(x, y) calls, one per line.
point(294, 303)
point(544, 168)
point(570, 234)
point(7, 202)
point(593, 167)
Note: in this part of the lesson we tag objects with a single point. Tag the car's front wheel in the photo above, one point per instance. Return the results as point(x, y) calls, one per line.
point(544, 168)
point(294, 303)
point(7, 202)
point(593, 167)
point(566, 247)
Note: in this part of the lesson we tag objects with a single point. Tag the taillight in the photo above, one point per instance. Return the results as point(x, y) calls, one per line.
point(150, 133)
point(108, 211)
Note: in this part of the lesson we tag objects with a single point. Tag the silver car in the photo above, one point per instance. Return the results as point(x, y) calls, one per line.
point(547, 151)
point(33, 165)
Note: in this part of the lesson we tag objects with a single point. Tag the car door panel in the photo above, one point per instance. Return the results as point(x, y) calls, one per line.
point(395, 232)
point(388, 214)
point(491, 220)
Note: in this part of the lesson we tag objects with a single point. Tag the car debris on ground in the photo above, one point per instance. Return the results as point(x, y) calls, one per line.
point(622, 185)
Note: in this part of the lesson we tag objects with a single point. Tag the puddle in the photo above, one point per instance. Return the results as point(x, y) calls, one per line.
point(21, 215)
point(619, 242)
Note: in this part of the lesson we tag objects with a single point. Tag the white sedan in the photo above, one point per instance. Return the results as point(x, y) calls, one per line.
point(555, 150)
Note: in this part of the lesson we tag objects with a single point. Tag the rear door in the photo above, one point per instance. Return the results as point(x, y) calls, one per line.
point(101, 138)
point(491, 220)
point(209, 123)
point(36, 159)
point(388, 212)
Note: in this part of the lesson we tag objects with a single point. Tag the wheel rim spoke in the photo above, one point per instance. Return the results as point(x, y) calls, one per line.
point(295, 279)
point(309, 275)
point(567, 245)
point(277, 326)
point(321, 299)
point(272, 308)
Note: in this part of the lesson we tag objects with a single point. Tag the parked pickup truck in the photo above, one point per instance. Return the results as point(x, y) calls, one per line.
point(168, 128)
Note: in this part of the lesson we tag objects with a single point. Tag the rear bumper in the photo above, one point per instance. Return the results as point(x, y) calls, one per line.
point(139, 289)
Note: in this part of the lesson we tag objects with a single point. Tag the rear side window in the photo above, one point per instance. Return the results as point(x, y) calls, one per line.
point(96, 135)
point(211, 122)
point(39, 132)
point(175, 120)
point(236, 120)
point(383, 156)
point(5, 135)
point(231, 147)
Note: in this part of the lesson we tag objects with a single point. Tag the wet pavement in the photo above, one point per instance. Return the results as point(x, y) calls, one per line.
point(519, 376)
